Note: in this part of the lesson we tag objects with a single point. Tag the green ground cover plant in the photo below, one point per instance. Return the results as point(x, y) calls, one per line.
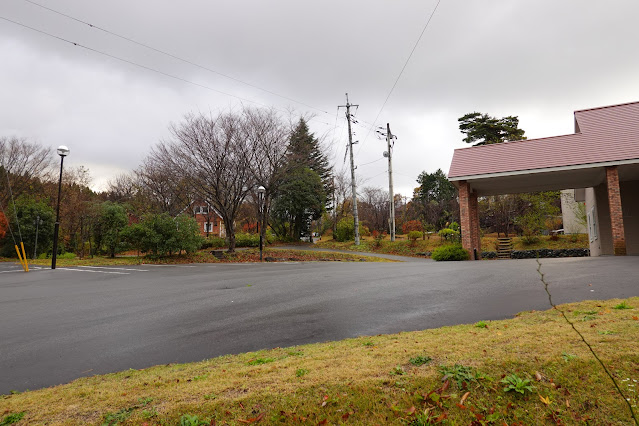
point(351, 382)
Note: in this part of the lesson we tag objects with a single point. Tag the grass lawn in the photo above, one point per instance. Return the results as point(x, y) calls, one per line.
point(451, 375)
point(248, 255)
point(401, 246)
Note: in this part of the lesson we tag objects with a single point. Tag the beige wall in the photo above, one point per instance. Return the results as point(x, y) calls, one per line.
point(569, 212)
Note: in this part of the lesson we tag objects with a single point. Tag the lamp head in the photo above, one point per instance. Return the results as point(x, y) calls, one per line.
point(261, 190)
point(63, 151)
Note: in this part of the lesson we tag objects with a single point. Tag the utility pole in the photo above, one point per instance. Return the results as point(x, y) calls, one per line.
point(389, 154)
point(353, 184)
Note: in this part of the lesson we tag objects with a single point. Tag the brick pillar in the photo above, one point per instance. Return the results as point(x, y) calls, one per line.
point(475, 234)
point(465, 216)
point(616, 214)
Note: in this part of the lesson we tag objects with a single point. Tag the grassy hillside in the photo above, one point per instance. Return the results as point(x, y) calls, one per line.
point(451, 375)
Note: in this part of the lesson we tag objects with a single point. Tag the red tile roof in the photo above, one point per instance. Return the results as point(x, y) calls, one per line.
point(604, 134)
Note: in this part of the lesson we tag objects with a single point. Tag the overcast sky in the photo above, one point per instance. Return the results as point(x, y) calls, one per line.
point(538, 60)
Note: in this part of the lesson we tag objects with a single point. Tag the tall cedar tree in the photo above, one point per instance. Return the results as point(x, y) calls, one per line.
point(484, 129)
point(304, 158)
point(304, 150)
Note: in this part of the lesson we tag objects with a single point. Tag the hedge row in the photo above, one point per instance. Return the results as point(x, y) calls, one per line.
point(542, 253)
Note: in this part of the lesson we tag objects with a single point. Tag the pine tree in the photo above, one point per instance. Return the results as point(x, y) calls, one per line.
point(305, 151)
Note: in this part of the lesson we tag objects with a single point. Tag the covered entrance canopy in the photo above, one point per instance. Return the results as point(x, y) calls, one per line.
point(602, 155)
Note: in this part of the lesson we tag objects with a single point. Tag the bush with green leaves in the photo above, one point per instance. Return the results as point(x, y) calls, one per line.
point(111, 221)
point(449, 253)
point(247, 240)
point(345, 229)
point(213, 242)
point(28, 210)
point(161, 234)
point(449, 234)
point(413, 236)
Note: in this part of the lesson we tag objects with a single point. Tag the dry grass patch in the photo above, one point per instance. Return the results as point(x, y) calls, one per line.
point(375, 379)
point(241, 256)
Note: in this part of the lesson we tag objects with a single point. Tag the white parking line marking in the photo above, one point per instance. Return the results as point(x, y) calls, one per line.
point(111, 267)
point(173, 266)
point(97, 272)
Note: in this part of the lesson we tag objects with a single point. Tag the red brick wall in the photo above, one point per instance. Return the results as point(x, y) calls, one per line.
point(201, 219)
point(616, 213)
point(464, 216)
point(474, 222)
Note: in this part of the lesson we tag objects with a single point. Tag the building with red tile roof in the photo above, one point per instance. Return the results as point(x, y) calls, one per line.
point(601, 157)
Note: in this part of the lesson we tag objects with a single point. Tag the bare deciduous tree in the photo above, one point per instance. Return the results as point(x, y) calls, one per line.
point(24, 162)
point(375, 208)
point(209, 153)
point(164, 186)
point(267, 139)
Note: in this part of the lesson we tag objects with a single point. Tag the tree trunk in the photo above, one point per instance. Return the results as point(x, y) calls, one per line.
point(230, 234)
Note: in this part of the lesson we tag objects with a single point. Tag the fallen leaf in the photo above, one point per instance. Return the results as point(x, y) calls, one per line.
point(636, 318)
point(345, 416)
point(464, 397)
point(545, 400)
point(410, 411)
point(538, 376)
point(323, 422)
point(567, 403)
point(252, 420)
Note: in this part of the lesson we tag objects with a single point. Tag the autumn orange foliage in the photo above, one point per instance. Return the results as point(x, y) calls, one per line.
point(4, 225)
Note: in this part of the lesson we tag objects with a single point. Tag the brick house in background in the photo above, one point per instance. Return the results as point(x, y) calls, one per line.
point(208, 219)
point(600, 161)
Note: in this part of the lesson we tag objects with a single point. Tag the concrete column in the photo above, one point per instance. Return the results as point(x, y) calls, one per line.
point(616, 214)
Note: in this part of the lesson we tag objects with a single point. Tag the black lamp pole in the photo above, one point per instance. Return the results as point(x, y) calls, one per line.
point(260, 226)
point(63, 151)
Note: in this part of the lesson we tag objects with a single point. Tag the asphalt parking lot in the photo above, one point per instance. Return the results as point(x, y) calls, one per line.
point(58, 325)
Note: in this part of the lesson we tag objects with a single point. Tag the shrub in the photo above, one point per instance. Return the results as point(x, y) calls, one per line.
point(345, 229)
point(529, 240)
point(160, 234)
point(378, 237)
point(413, 236)
point(449, 234)
point(67, 255)
point(450, 252)
point(247, 240)
point(213, 242)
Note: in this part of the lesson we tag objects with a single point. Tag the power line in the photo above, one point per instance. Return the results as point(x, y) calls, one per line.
point(403, 68)
point(372, 162)
point(146, 46)
point(134, 63)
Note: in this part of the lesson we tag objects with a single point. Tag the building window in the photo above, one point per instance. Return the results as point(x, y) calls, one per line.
point(208, 227)
point(201, 209)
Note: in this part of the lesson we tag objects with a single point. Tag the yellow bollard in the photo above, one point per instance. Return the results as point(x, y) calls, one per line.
point(20, 257)
point(24, 256)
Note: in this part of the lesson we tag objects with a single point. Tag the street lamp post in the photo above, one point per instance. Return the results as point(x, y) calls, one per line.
point(260, 203)
point(63, 151)
point(38, 222)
